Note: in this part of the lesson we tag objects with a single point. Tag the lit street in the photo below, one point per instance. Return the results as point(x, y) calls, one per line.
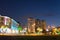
point(28, 37)
point(5, 34)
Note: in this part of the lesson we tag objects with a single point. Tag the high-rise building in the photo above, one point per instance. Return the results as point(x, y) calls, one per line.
point(31, 25)
point(44, 26)
point(38, 24)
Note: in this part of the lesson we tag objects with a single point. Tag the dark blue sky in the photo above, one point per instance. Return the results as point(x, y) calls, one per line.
point(48, 10)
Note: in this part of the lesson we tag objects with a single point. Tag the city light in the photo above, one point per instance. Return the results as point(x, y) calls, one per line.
point(34, 27)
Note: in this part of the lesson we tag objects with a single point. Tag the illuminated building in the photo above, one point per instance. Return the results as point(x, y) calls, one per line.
point(14, 25)
point(38, 23)
point(9, 23)
point(31, 25)
point(5, 21)
point(44, 26)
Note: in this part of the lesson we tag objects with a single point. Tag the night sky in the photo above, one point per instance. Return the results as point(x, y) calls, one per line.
point(20, 10)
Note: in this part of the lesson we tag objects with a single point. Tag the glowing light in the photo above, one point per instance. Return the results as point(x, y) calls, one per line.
point(33, 24)
point(25, 28)
point(2, 27)
point(17, 31)
point(8, 30)
point(47, 30)
point(6, 20)
point(19, 28)
point(39, 29)
point(13, 31)
point(14, 25)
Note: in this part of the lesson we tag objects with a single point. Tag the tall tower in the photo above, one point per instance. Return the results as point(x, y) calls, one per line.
point(38, 24)
point(31, 25)
point(44, 25)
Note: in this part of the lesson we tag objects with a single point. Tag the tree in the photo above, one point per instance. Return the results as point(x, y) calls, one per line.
point(19, 28)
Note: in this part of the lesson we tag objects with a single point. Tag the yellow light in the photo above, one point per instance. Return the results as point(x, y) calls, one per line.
point(13, 31)
point(28, 30)
point(2, 26)
point(39, 29)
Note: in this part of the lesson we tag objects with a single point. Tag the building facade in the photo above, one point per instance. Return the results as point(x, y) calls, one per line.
point(5, 21)
point(33, 24)
point(44, 26)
